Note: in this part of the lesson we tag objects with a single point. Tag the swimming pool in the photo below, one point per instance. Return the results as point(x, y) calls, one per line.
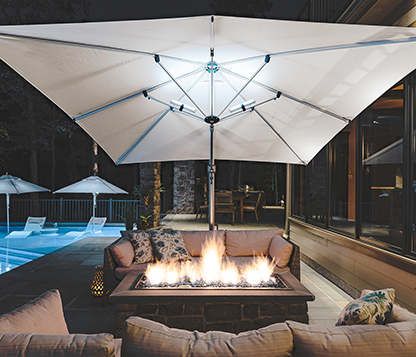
point(15, 252)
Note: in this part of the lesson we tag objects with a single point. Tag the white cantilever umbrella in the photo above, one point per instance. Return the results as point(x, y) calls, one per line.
point(155, 90)
point(94, 185)
point(14, 185)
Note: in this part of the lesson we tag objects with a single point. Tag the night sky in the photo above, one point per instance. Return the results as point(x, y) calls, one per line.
point(105, 10)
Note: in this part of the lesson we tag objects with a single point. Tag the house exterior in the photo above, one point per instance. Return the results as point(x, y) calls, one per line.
point(352, 208)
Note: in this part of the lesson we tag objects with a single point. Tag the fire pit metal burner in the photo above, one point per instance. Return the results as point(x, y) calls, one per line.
point(275, 282)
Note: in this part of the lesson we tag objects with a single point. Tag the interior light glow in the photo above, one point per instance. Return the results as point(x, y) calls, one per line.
point(182, 106)
point(243, 106)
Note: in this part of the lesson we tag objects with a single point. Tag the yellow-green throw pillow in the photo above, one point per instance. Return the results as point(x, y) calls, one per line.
point(169, 247)
point(143, 252)
point(371, 309)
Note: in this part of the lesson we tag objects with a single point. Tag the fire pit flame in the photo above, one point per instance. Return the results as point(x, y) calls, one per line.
point(211, 271)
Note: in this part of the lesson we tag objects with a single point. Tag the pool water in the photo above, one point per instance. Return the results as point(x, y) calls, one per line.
point(15, 252)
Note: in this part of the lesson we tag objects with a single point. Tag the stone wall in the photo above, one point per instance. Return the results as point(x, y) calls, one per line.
point(184, 187)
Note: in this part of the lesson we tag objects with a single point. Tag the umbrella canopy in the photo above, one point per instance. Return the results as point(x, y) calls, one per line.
point(94, 185)
point(14, 185)
point(154, 90)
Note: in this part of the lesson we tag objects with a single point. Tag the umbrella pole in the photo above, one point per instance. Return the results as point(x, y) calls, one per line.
point(8, 208)
point(93, 211)
point(211, 171)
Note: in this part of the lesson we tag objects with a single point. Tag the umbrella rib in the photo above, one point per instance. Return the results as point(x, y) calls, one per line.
point(288, 96)
point(278, 134)
point(135, 95)
point(92, 46)
point(248, 81)
point(157, 59)
point(148, 130)
point(326, 49)
point(137, 142)
point(264, 119)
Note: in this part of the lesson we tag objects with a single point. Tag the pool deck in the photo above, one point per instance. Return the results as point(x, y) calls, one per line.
point(71, 269)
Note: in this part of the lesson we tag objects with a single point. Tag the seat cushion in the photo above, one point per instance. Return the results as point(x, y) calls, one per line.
point(42, 315)
point(121, 272)
point(29, 344)
point(397, 339)
point(249, 242)
point(194, 240)
point(123, 253)
point(143, 337)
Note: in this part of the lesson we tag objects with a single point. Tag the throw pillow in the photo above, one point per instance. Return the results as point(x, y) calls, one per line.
point(371, 309)
point(143, 252)
point(169, 247)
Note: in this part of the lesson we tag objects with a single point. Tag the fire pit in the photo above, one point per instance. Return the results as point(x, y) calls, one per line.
point(205, 309)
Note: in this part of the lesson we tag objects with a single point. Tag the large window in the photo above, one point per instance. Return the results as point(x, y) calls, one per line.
point(342, 186)
point(382, 169)
point(298, 191)
point(317, 188)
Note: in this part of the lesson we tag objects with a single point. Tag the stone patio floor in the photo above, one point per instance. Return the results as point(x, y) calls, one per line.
point(71, 269)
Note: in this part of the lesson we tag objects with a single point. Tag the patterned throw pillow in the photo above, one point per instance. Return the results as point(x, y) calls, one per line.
point(371, 309)
point(143, 252)
point(169, 247)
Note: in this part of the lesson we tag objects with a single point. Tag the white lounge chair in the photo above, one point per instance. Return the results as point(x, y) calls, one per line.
point(94, 226)
point(33, 225)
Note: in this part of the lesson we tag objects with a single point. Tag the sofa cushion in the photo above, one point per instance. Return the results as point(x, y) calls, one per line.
point(194, 240)
point(123, 253)
point(169, 247)
point(143, 252)
point(121, 272)
point(249, 242)
point(398, 339)
point(373, 308)
point(280, 251)
point(30, 344)
point(42, 315)
point(143, 337)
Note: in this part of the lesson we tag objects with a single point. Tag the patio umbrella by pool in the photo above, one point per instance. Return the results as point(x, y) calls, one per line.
point(94, 185)
point(14, 185)
point(155, 90)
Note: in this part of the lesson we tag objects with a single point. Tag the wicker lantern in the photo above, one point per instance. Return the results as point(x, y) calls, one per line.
point(97, 284)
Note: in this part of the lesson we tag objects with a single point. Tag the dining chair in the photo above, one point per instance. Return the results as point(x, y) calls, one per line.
point(224, 203)
point(254, 204)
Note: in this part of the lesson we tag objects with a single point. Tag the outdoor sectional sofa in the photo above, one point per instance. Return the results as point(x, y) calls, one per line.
point(239, 248)
point(38, 328)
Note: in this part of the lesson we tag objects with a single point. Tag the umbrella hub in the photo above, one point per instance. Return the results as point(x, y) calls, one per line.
point(212, 119)
point(215, 67)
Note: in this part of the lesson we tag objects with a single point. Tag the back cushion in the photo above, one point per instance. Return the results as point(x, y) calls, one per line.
point(194, 240)
point(280, 251)
point(250, 242)
point(29, 344)
point(143, 337)
point(41, 315)
point(398, 339)
point(123, 253)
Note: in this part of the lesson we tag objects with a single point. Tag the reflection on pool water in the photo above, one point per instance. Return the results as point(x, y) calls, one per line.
point(15, 252)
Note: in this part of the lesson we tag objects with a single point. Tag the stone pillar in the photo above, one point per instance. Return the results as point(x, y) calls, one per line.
point(184, 187)
point(150, 178)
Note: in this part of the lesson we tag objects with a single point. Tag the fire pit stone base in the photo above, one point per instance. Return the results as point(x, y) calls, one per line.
point(231, 316)
point(233, 311)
